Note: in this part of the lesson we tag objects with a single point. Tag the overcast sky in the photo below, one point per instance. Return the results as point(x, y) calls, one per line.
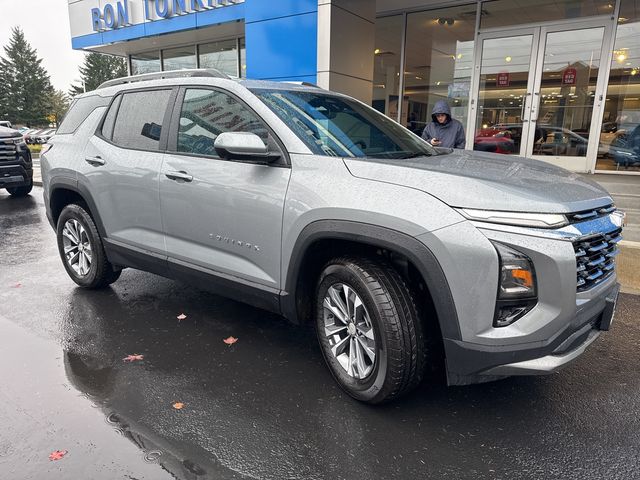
point(46, 27)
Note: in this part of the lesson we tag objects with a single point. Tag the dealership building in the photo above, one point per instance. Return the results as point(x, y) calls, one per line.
point(557, 80)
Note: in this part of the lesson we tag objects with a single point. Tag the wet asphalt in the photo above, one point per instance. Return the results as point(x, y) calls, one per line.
point(266, 407)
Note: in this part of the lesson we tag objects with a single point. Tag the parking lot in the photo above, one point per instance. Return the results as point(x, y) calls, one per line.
point(266, 407)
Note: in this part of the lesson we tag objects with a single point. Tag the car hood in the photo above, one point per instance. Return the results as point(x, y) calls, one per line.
point(488, 181)
point(9, 133)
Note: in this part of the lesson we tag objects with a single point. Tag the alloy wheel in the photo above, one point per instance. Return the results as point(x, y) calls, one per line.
point(77, 247)
point(348, 329)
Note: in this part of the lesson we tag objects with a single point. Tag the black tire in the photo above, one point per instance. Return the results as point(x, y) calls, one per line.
point(100, 273)
point(400, 352)
point(20, 191)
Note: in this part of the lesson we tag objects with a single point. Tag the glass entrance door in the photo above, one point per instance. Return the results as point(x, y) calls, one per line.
point(504, 86)
point(538, 93)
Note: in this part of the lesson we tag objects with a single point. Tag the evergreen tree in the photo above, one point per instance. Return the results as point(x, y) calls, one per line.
point(98, 68)
point(25, 85)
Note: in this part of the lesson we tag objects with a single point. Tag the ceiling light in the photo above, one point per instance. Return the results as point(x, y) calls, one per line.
point(376, 51)
point(507, 59)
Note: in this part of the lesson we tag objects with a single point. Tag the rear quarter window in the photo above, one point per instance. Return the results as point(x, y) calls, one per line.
point(79, 110)
point(139, 119)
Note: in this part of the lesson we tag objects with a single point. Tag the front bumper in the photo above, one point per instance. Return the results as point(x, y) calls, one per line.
point(472, 363)
point(563, 323)
point(17, 173)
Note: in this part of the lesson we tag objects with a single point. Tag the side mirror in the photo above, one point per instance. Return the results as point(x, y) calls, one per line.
point(243, 146)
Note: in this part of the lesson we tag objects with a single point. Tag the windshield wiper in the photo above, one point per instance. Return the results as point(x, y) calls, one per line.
point(414, 155)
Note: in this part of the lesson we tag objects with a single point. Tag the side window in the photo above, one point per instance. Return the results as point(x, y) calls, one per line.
point(139, 119)
point(79, 110)
point(206, 114)
point(109, 120)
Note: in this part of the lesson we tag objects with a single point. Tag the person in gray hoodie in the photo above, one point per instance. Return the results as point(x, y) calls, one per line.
point(444, 131)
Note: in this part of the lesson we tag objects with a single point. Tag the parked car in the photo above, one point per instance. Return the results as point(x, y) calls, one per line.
point(625, 149)
point(44, 135)
point(16, 168)
point(494, 140)
point(313, 205)
point(560, 141)
point(31, 136)
point(5, 124)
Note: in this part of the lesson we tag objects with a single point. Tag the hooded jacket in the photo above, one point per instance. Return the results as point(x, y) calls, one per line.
point(450, 133)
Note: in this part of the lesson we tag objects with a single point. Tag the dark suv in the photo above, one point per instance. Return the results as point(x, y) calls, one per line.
point(16, 167)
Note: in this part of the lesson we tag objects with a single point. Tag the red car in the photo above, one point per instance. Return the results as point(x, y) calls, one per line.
point(494, 140)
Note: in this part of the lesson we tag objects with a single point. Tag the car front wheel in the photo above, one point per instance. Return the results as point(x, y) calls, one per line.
point(369, 329)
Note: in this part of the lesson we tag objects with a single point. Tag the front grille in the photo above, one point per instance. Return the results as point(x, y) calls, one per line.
point(591, 214)
point(8, 150)
point(595, 258)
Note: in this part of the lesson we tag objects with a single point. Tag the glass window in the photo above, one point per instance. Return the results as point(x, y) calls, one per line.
point(569, 76)
point(386, 70)
point(336, 126)
point(619, 146)
point(179, 58)
point(222, 55)
point(505, 13)
point(208, 113)
point(109, 121)
point(502, 93)
point(139, 120)
point(145, 63)
point(438, 63)
point(79, 111)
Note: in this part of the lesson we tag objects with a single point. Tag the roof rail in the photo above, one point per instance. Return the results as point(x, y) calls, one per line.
point(302, 84)
point(198, 72)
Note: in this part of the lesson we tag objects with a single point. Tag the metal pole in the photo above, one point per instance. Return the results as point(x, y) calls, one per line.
point(402, 62)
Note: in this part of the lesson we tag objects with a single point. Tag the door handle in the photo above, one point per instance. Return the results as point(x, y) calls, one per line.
point(184, 176)
point(95, 161)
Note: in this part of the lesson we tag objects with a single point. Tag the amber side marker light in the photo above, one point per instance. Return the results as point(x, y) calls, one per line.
point(517, 289)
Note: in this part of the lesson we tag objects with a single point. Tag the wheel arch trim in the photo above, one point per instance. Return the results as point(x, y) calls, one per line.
point(72, 185)
point(381, 237)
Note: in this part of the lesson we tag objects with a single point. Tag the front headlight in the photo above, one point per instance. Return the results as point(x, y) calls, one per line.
point(539, 220)
point(517, 289)
point(20, 143)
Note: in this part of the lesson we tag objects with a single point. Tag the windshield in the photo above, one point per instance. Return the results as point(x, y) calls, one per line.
point(341, 127)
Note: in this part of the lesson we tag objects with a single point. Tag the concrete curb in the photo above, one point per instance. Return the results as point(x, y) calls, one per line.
point(628, 264)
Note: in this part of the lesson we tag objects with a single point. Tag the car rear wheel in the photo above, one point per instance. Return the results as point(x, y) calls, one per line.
point(81, 249)
point(369, 329)
point(20, 191)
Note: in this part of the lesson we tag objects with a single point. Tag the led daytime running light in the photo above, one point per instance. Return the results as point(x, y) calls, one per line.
point(540, 220)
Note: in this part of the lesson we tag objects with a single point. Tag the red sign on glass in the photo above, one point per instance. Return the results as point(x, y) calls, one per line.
point(502, 79)
point(569, 76)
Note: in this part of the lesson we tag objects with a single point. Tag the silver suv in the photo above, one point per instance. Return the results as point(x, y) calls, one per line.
point(313, 205)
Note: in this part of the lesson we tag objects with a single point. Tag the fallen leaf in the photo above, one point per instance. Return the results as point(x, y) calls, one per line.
point(182, 316)
point(57, 454)
point(17, 285)
point(178, 405)
point(230, 340)
point(133, 358)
